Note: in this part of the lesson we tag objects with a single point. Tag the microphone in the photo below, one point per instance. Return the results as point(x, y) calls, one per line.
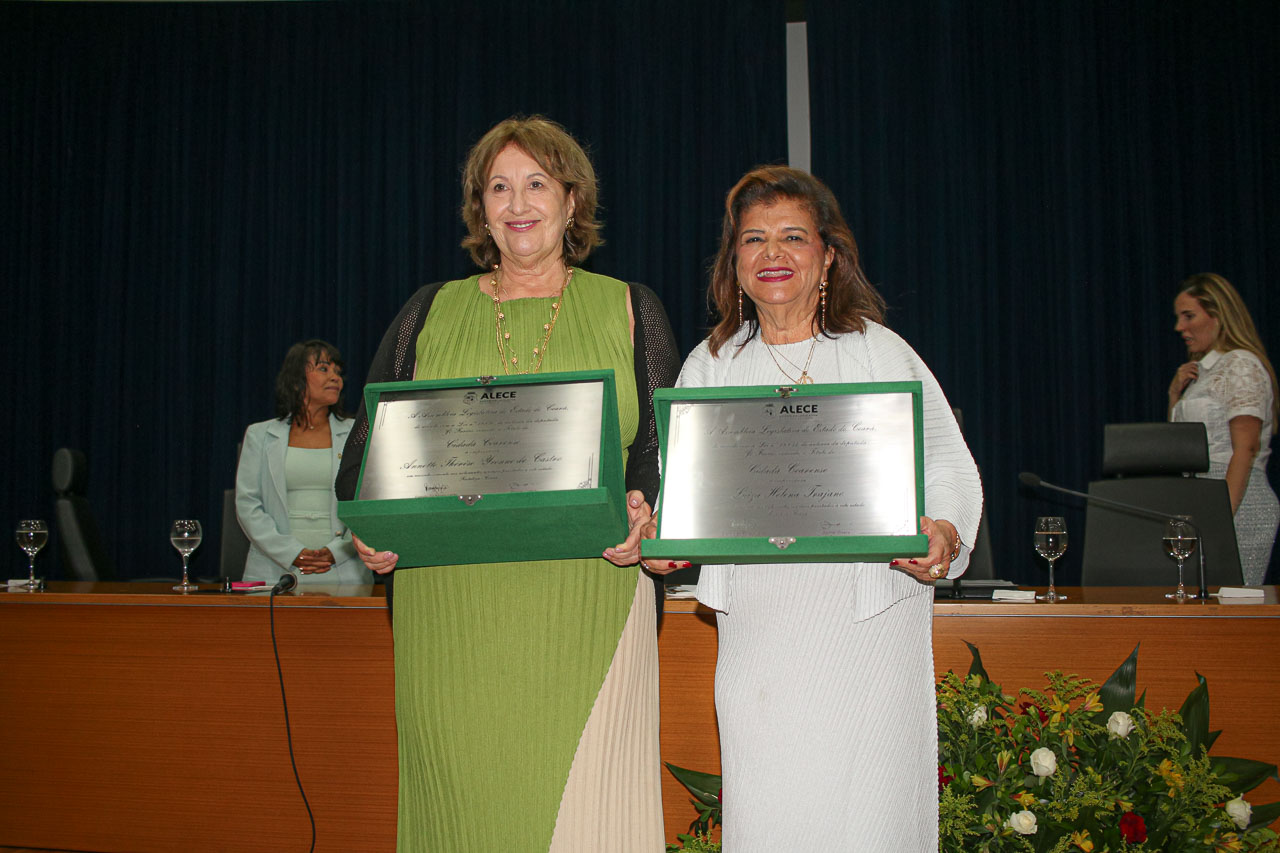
point(1033, 481)
point(287, 581)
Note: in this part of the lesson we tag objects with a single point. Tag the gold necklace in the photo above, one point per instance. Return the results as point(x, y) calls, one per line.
point(804, 378)
point(510, 359)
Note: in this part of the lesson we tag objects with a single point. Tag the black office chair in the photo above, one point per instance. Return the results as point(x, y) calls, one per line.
point(235, 545)
point(84, 554)
point(1151, 465)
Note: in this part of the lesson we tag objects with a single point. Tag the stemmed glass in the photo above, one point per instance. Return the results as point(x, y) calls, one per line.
point(1180, 540)
point(1051, 543)
point(32, 534)
point(185, 536)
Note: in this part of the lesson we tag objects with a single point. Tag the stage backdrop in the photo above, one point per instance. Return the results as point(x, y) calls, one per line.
point(186, 190)
point(1028, 183)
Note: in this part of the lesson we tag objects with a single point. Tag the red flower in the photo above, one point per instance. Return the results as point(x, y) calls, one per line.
point(1133, 828)
point(943, 778)
point(1024, 707)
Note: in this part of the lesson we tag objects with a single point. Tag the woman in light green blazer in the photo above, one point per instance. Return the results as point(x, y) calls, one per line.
point(284, 482)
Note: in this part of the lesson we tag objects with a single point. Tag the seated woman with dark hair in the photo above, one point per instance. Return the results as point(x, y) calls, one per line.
point(284, 484)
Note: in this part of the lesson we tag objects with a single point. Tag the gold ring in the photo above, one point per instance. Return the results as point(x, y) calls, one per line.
point(936, 570)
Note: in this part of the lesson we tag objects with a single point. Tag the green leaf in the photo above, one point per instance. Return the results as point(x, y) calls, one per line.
point(1264, 815)
point(1195, 716)
point(1241, 774)
point(704, 786)
point(1118, 691)
point(976, 667)
point(1211, 739)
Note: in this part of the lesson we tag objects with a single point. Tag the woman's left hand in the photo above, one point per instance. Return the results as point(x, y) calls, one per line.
point(627, 553)
point(315, 562)
point(934, 565)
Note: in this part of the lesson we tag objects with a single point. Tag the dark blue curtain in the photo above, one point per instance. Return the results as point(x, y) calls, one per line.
point(1028, 183)
point(185, 190)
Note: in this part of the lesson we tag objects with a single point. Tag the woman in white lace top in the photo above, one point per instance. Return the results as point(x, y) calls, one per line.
point(1229, 385)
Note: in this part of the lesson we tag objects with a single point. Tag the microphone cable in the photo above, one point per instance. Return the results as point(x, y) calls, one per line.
point(287, 582)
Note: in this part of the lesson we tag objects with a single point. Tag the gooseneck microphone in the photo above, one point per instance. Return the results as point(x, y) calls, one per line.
point(287, 581)
point(1033, 481)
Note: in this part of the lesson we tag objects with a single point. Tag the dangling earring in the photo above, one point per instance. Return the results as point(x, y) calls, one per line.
point(568, 224)
point(486, 228)
point(740, 320)
point(822, 310)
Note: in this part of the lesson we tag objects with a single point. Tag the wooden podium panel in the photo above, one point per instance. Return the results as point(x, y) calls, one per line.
point(143, 721)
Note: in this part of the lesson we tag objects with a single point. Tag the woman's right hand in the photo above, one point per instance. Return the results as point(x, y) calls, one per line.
point(649, 530)
point(1186, 374)
point(378, 562)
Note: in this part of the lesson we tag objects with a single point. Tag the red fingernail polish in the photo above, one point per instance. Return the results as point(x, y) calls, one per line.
point(914, 563)
point(671, 564)
point(893, 562)
point(686, 565)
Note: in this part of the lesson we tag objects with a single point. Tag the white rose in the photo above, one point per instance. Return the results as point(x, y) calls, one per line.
point(1044, 762)
point(1023, 823)
point(1120, 724)
point(1240, 811)
point(979, 716)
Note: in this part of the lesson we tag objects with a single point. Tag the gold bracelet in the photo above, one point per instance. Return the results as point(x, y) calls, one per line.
point(955, 552)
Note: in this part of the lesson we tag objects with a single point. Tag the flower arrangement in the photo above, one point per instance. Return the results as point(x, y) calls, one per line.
point(1074, 767)
point(1078, 767)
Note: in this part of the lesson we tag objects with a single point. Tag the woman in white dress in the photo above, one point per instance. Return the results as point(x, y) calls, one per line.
point(1229, 385)
point(824, 679)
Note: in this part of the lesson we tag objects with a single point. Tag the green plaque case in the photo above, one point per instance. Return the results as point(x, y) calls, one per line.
point(501, 527)
point(801, 549)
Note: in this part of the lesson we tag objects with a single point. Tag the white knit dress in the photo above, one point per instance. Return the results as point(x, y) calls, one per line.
point(1232, 384)
point(824, 680)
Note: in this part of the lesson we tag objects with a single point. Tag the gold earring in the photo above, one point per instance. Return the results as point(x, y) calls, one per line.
point(569, 223)
point(822, 315)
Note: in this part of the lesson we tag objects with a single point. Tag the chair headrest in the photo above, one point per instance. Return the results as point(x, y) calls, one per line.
point(1157, 449)
point(70, 471)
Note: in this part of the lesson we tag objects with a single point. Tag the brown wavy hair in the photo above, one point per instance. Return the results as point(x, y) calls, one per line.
point(1236, 330)
point(563, 159)
point(851, 299)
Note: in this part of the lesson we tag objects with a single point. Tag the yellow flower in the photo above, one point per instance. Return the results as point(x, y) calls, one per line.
point(1069, 735)
point(1003, 759)
point(1081, 839)
point(1026, 799)
point(1091, 703)
point(1228, 842)
point(980, 782)
point(1060, 709)
point(1172, 776)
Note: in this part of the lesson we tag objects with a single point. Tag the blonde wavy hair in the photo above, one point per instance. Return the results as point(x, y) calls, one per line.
point(563, 159)
point(1236, 330)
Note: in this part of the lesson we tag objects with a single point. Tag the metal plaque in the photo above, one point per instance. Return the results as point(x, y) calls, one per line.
point(840, 465)
point(434, 442)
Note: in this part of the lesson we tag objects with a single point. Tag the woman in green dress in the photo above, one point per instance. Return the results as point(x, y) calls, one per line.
point(526, 692)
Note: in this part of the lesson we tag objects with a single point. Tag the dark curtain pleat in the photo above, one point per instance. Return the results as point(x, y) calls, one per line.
point(187, 189)
point(1028, 183)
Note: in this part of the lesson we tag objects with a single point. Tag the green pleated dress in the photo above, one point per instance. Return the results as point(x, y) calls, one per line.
point(501, 668)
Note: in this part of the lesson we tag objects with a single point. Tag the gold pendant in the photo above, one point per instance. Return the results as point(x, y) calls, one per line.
point(805, 379)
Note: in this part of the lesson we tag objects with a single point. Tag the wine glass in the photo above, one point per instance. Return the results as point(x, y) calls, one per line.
point(32, 534)
point(1051, 543)
point(1180, 540)
point(185, 536)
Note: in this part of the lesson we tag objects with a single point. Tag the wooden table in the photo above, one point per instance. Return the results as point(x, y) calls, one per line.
point(145, 720)
point(142, 720)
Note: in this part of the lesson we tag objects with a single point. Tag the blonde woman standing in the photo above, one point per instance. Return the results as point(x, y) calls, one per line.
point(1229, 385)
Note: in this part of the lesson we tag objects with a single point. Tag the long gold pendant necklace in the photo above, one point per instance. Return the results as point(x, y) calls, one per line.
point(804, 378)
point(509, 358)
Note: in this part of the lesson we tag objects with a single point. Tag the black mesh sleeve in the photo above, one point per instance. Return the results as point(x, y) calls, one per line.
point(393, 362)
point(657, 364)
